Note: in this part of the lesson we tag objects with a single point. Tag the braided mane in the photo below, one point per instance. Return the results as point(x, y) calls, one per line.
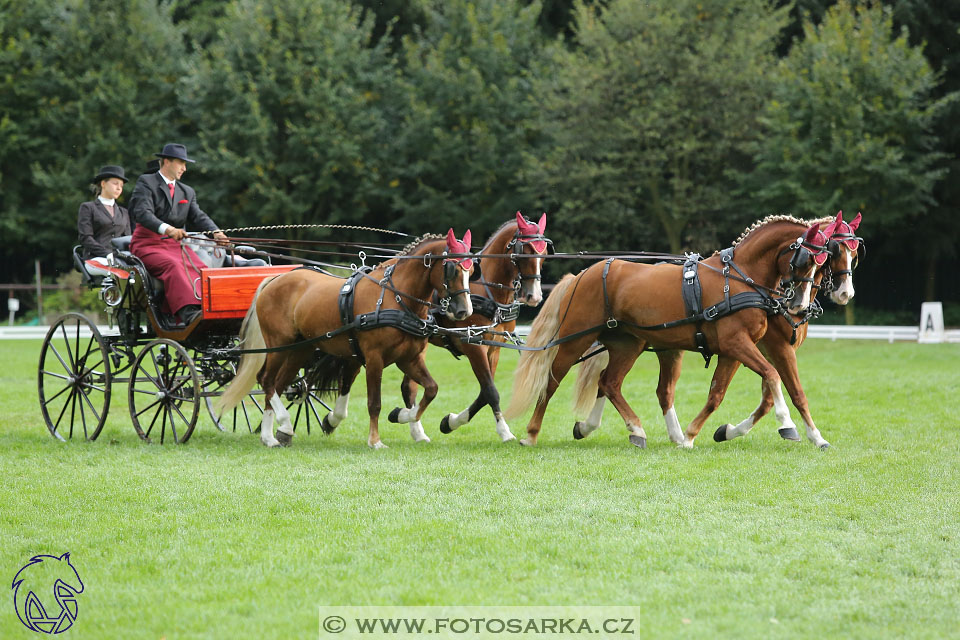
point(778, 218)
point(407, 250)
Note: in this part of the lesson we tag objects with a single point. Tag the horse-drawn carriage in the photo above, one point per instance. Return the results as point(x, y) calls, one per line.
point(172, 370)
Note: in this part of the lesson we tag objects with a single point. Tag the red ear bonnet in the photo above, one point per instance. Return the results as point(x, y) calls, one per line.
point(815, 238)
point(530, 229)
point(842, 231)
point(460, 246)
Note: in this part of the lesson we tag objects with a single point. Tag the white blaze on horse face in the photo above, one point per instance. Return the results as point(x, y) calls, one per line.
point(465, 286)
point(844, 292)
point(802, 299)
point(535, 295)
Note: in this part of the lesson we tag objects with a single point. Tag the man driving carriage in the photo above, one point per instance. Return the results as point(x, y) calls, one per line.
point(163, 207)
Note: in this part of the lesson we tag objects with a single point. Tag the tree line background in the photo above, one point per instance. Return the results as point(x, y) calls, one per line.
point(664, 125)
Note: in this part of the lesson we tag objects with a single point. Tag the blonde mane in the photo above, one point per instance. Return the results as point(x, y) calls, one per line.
point(776, 218)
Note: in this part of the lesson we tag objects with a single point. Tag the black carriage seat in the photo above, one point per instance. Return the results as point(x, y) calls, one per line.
point(87, 278)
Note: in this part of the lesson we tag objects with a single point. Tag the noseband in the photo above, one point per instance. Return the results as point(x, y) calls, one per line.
point(803, 253)
point(518, 241)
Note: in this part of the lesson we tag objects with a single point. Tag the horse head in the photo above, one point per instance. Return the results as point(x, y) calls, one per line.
point(844, 248)
point(528, 245)
point(455, 277)
point(809, 255)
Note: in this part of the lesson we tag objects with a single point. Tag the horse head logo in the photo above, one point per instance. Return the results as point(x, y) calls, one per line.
point(45, 593)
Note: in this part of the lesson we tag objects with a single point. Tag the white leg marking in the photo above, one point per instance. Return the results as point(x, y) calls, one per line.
point(636, 430)
point(283, 416)
point(741, 429)
point(503, 429)
point(780, 409)
point(339, 412)
point(813, 434)
point(417, 432)
point(674, 432)
point(592, 423)
point(408, 415)
point(459, 419)
point(266, 430)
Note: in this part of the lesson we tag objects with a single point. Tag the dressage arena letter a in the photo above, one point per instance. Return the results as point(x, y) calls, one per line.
point(931, 323)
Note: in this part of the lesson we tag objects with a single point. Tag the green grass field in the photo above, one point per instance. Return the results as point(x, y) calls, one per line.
point(757, 537)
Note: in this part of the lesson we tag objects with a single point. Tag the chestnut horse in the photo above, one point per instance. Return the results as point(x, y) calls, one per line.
point(627, 306)
point(297, 313)
point(779, 344)
point(511, 272)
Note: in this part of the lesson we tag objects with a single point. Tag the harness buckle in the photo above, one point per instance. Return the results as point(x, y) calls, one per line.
point(612, 323)
point(710, 313)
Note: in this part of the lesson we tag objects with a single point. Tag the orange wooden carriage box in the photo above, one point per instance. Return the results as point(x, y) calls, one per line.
point(227, 292)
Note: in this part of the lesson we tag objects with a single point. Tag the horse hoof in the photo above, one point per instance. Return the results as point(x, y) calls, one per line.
point(720, 435)
point(285, 439)
point(326, 427)
point(525, 443)
point(824, 446)
point(445, 424)
point(789, 433)
point(577, 435)
point(638, 441)
point(508, 438)
point(377, 445)
point(394, 415)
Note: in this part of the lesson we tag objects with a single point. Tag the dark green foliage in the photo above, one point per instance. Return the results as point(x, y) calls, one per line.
point(83, 84)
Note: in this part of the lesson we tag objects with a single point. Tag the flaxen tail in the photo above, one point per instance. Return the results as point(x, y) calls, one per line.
point(588, 378)
point(533, 369)
point(250, 364)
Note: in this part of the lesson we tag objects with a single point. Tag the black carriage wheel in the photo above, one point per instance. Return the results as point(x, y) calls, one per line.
point(73, 380)
point(302, 402)
point(249, 413)
point(164, 392)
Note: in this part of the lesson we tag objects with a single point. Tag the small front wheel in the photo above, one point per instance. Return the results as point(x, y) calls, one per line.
point(164, 392)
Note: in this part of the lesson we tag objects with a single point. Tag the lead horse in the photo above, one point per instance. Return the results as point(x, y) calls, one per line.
point(783, 337)
point(628, 306)
point(510, 275)
point(373, 319)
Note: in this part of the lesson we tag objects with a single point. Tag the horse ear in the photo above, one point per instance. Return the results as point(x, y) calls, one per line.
point(542, 223)
point(466, 239)
point(855, 222)
point(811, 235)
point(839, 220)
point(451, 238)
point(520, 220)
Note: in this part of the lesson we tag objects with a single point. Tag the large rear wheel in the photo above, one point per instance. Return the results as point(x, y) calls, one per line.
point(73, 380)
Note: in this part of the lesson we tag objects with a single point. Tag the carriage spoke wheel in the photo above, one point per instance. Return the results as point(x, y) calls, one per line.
point(248, 414)
point(164, 392)
point(303, 403)
point(73, 380)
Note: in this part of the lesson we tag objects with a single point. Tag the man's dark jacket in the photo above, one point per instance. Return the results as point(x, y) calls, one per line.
point(151, 205)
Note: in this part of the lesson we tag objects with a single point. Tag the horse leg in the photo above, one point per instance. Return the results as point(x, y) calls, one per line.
point(583, 428)
point(670, 364)
point(726, 368)
point(374, 378)
point(417, 370)
point(567, 354)
point(408, 393)
point(622, 356)
point(784, 358)
point(267, 379)
point(286, 374)
point(333, 418)
point(729, 432)
point(482, 370)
